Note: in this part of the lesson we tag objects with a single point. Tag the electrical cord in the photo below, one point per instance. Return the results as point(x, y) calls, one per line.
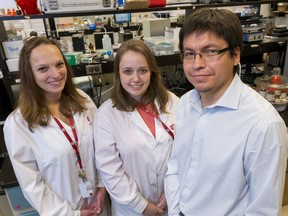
point(176, 83)
point(100, 90)
point(91, 86)
point(98, 97)
point(240, 70)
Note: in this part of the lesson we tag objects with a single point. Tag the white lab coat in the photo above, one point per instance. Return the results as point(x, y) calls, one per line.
point(131, 162)
point(45, 163)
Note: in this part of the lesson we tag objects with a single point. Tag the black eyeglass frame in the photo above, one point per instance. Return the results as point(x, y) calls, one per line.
point(215, 53)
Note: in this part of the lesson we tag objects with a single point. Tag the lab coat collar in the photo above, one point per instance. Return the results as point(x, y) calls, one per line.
point(54, 124)
point(139, 122)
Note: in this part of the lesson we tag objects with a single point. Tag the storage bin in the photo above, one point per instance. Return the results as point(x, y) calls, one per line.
point(157, 3)
point(73, 58)
point(160, 45)
point(13, 64)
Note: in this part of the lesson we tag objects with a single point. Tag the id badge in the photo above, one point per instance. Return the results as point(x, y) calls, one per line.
point(86, 189)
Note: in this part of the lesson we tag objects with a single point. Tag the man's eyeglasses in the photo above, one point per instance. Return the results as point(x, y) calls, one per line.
point(208, 54)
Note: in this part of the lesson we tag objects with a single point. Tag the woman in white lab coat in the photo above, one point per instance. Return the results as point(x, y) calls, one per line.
point(49, 136)
point(133, 134)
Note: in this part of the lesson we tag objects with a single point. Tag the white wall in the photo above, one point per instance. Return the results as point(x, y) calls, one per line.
point(10, 4)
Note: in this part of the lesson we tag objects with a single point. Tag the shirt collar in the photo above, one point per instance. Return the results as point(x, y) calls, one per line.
point(230, 98)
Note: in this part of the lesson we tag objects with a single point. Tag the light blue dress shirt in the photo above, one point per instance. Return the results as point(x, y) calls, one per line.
point(228, 158)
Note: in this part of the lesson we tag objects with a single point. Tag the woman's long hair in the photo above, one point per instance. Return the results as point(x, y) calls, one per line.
point(156, 90)
point(31, 98)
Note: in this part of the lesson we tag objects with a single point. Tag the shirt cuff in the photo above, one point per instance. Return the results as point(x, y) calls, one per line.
point(100, 182)
point(139, 203)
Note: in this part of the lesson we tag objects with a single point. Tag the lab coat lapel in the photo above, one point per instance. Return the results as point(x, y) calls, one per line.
point(160, 130)
point(78, 125)
point(137, 120)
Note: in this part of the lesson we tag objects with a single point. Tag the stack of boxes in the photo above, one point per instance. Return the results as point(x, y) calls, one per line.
point(12, 51)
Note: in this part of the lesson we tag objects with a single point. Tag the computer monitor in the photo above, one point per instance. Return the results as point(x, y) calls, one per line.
point(122, 18)
point(248, 11)
point(98, 39)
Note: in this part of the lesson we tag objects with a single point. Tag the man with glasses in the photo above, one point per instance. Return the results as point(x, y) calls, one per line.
point(230, 150)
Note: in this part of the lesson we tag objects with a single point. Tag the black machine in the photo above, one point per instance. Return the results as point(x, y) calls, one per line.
point(121, 19)
point(78, 43)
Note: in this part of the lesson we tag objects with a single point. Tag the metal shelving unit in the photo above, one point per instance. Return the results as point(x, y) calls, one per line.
point(49, 23)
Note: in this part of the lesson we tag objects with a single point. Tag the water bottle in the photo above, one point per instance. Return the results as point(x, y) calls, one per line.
point(106, 42)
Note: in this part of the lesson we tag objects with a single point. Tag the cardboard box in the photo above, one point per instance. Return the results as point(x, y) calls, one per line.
point(13, 64)
point(73, 58)
point(12, 49)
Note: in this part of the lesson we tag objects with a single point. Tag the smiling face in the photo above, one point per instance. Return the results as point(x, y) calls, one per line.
point(211, 77)
point(49, 70)
point(134, 74)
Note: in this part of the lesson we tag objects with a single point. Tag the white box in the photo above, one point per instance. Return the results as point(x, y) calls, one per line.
point(155, 27)
point(13, 64)
point(12, 49)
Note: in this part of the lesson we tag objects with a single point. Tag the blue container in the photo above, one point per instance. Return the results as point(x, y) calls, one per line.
point(120, 3)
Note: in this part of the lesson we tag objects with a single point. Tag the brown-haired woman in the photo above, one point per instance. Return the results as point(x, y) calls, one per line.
point(49, 136)
point(133, 134)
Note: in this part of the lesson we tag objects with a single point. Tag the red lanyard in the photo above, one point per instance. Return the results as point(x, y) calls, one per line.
point(156, 115)
point(73, 144)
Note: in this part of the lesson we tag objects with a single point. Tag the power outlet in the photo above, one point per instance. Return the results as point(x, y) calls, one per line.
point(93, 69)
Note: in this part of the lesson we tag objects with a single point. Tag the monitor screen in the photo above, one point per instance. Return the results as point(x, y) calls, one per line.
point(248, 11)
point(122, 18)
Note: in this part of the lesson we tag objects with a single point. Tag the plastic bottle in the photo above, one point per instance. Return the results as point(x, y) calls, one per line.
point(276, 76)
point(91, 47)
point(120, 3)
point(13, 12)
point(76, 25)
point(263, 92)
point(283, 94)
point(98, 22)
point(270, 95)
point(106, 41)
point(9, 13)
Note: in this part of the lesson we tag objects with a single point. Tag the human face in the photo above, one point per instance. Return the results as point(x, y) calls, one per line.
point(49, 70)
point(134, 74)
point(210, 77)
